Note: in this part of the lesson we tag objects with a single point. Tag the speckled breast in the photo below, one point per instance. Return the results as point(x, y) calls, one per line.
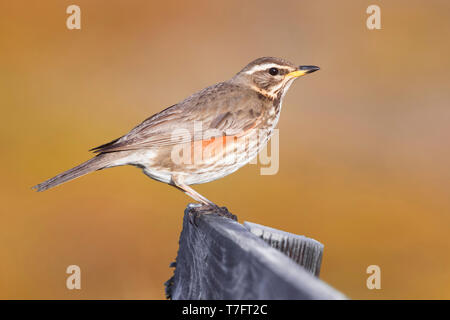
point(207, 160)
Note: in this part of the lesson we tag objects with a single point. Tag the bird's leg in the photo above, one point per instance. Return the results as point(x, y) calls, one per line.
point(195, 212)
point(178, 183)
point(209, 206)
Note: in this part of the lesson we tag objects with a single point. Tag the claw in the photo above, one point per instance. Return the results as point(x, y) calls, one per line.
point(197, 211)
point(193, 216)
point(223, 211)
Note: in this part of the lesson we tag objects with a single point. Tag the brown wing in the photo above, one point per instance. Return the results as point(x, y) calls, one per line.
point(221, 110)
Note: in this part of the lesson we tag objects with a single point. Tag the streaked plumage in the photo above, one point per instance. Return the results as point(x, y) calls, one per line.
point(226, 125)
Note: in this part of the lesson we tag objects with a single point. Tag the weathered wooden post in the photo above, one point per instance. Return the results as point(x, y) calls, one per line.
point(219, 258)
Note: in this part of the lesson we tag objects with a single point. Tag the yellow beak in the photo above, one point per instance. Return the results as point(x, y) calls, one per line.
point(302, 70)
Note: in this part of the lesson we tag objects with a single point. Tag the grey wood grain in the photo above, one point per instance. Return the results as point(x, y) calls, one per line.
point(219, 258)
point(305, 251)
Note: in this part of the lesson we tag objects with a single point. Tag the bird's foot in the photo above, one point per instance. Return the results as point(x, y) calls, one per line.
point(223, 211)
point(197, 210)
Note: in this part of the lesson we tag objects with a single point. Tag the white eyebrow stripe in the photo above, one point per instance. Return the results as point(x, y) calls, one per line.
point(261, 67)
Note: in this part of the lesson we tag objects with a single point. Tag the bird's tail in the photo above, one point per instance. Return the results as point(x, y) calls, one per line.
point(99, 162)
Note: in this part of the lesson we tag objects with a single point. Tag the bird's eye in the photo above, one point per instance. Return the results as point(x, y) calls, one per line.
point(273, 71)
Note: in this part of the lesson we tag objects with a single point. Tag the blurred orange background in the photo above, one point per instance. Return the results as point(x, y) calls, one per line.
point(364, 142)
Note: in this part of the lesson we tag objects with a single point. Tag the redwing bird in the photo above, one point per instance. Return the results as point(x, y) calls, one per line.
point(205, 137)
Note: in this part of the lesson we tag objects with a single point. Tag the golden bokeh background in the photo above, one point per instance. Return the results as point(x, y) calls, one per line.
point(364, 142)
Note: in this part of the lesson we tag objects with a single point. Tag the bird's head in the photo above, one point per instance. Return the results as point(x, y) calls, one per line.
point(271, 76)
